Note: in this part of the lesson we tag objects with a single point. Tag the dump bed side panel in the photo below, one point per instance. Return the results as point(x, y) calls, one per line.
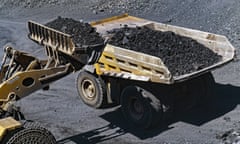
point(123, 63)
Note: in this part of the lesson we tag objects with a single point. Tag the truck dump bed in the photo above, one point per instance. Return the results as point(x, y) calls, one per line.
point(128, 64)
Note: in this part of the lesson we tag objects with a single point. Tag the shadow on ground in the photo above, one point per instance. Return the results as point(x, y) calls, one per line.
point(226, 98)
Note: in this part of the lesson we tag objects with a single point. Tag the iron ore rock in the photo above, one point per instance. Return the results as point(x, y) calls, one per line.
point(82, 33)
point(182, 55)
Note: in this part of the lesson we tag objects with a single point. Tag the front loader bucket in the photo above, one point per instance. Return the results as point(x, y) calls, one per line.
point(49, 37)
point(55, 40)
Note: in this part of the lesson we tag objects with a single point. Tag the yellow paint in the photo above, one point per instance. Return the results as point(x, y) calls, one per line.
point(14, 85)
point(8, 124)
point(108, 19)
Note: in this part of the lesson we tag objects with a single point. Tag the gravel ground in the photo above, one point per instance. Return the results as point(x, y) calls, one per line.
point(60, 109)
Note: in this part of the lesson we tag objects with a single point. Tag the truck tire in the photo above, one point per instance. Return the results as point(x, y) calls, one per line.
point(30, 133)
point(92, 90)
point(141, 107)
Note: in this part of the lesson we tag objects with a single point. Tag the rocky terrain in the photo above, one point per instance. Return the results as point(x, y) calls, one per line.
point(60, 109)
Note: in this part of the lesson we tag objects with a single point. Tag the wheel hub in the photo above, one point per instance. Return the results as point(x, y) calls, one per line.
point(89, 90)
point(136, 109)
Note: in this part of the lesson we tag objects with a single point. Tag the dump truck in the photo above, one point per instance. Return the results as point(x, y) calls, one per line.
point(109, 75)
point(141, 83)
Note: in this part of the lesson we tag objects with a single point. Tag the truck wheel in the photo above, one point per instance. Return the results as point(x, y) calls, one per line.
point(141, 107)
point(31, 133)
point(91, 89)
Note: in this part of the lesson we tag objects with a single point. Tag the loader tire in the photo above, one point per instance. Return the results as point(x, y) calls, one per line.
point(141, 108)
point(92, 90)
point(31, 133)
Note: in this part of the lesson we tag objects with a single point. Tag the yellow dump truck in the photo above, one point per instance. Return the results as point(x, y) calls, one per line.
point(109, 75)
point(142, 84)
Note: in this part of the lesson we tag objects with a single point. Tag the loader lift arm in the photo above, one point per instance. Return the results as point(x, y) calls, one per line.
point(25, 74)
point(22, 74)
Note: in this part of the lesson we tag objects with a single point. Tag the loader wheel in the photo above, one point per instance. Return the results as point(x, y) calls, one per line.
point(141, 107)
point(92, 90)
point(31, 133)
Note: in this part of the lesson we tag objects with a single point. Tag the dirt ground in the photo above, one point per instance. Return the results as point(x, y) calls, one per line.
point(72, 122)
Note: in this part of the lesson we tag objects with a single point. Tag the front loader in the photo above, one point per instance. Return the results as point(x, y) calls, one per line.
point(21, 74)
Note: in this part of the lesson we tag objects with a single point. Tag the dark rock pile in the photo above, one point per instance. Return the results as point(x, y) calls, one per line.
point(180, 54)
point(82, 33)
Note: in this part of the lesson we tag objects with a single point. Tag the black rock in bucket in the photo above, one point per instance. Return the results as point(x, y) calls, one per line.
point(82, 33)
